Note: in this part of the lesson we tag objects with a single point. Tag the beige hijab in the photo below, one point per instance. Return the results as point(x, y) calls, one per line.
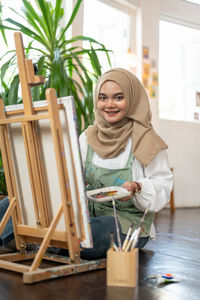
point(109, 140)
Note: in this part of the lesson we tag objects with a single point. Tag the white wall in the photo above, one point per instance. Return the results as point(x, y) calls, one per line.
point(150, 15)
point(183, 138)
point(184, 155)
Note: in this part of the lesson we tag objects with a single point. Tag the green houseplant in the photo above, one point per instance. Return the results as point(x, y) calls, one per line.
point(56, 57)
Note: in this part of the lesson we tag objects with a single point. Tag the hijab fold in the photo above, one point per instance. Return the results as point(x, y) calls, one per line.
point(109, 140)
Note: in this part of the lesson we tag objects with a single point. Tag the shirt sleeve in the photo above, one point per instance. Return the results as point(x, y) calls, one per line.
point(83, 147)
point(157, 183)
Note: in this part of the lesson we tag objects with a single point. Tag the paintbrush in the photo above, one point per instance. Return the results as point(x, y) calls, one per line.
point(117, 225)
point(127, 236)
point(135, 240)
point(143, 217)
point(112, 243)
point(135, 236)
point(131, 240)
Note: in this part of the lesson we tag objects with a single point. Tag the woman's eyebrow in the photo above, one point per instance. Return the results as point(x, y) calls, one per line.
point(117, 94)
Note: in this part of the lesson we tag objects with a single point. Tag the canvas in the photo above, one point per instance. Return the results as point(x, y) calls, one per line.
point(74, 165)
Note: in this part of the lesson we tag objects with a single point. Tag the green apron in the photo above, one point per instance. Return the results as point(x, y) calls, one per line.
point(98, 177)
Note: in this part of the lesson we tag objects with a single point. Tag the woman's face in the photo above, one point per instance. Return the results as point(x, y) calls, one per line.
point(111, 102)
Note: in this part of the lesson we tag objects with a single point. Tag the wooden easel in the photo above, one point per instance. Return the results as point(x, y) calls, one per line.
point(45, 232)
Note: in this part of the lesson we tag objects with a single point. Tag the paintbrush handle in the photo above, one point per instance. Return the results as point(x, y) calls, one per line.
point(134, 243)
point(143, 217)
point(135, 235)
point(131, 240)
point(112, 243)
point(117, 226)
point(126, 239)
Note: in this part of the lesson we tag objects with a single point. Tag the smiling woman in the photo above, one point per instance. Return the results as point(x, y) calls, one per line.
point(111, 102)
point(122, 149)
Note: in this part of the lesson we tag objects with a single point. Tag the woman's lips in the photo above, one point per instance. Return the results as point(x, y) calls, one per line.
point(112, 112)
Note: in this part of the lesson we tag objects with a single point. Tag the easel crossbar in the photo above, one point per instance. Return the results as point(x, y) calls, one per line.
point(60, 271)
point(24, 119)
point(12, 257)
point(47, 273)
point(40, 233)
point(13, 266)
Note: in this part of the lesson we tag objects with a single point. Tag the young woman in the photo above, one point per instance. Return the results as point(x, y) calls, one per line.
point(122, 149)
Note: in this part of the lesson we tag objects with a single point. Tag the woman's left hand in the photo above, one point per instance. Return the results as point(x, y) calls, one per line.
point(130, 186)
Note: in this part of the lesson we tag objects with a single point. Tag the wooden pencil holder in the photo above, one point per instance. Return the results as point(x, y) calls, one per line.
point(122, 268)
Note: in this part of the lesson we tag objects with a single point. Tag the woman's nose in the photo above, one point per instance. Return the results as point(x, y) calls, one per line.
point(110, 102)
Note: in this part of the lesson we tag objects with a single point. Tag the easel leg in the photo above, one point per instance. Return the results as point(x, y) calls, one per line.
point(7, 215)
point(46, 240)
point(56, 130)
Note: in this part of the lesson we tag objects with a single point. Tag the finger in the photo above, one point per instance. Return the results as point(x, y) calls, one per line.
point(125, 198)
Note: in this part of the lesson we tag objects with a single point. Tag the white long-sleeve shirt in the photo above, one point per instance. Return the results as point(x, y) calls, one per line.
point(156, 178)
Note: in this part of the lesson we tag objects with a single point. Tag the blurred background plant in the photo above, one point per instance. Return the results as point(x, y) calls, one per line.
point(66, 66)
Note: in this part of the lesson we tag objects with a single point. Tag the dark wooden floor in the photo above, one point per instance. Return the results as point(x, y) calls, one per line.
point(176, 250)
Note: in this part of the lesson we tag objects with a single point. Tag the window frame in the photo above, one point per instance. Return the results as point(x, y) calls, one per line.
point(182, 81)
point(122, 5)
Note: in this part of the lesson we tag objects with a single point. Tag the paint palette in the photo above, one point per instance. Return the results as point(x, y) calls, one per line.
point(108, 194)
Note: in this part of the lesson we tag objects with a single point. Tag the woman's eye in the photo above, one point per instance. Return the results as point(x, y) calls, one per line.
point(119, 98)
point(102, 97)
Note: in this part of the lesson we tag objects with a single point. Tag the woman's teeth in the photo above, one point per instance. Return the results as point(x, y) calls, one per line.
point(112, 112)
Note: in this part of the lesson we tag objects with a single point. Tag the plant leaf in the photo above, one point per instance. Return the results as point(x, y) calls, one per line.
point(44, 6)
point(73, 15)
point(32, 17)
point(13, 92)
point(2, 29)
point(95, 61)
point(58, 14)
point(4, 69)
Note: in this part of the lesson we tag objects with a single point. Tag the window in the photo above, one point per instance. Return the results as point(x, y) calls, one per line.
point(111, 27)
point(179, 65)
point(7, 12)
point(194, 1)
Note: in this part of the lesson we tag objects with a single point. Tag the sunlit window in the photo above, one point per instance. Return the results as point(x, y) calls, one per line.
point(8, 13)
point(9, 7)
point(109, 26)
point(179, 65)
point(194, 1)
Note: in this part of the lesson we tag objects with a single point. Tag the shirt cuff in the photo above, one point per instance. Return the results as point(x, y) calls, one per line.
point(146, 198)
